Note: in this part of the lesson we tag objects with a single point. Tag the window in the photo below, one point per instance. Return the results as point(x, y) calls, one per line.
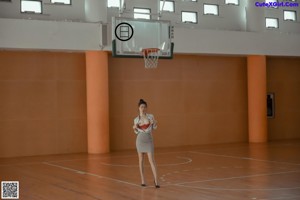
point(31, 6)
point(272, 3)
point(232, 2)
point(289, 15)
point(210, 9)
point(141, 13)
point(113, 3)
point(68, 2)
point(272, 22)
point(189, 17)
point(169, 6)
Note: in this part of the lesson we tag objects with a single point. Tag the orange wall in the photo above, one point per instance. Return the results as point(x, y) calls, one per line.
point(283, 78)
point(196, 100)
point(42, 103)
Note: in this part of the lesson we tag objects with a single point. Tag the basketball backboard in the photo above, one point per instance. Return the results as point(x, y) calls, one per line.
point(131, 36)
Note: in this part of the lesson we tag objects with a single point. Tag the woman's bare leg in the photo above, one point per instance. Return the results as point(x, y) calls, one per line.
point(141, 165)
point(153, 166)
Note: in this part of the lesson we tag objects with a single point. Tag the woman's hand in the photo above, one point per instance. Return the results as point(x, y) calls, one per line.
point(154, 124)
point(151, 121)
point(134, 127)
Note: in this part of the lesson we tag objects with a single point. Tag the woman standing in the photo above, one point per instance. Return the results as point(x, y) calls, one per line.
point(143, 126)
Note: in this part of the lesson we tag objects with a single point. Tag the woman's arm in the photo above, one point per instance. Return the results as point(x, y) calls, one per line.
point(153, 122)
point(138, 130)
point(135, 127)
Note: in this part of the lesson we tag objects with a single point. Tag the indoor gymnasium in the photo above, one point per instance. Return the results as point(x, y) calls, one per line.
point(150, 99)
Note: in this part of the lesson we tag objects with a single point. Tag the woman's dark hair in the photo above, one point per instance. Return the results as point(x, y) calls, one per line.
point(142, 102)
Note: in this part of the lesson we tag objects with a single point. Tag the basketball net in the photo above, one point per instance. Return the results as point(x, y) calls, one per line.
point(151, 56)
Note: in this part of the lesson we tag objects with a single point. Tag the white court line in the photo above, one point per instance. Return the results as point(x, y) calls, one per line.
point(189, 160)
point(236, 177)
point(282, 198)
point(124, 156)
point(186, 151)
point(241, 189)
point(70, 160)
point(21, 164)
point(120, 156)
point(243, 158)
point(91, 174)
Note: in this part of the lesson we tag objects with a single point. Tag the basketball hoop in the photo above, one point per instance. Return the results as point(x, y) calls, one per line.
point(151, 56)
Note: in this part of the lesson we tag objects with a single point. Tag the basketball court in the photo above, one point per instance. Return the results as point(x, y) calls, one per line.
point(221, 78)
point(235, 171)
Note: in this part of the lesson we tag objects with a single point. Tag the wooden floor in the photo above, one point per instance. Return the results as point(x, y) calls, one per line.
point(232, 171)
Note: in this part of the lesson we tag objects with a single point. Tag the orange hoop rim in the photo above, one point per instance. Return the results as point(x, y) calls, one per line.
point(150, 50)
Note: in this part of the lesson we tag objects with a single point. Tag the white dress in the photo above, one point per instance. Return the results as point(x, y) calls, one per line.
point(144, 139)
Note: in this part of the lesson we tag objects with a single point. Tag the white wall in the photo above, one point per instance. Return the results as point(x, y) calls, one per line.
point(74, 12)
point(256, 18)
point(52, 35)
point(95, 11)
point(49, 35)
point(237, 30)
point(230, 17)
point(236, 42)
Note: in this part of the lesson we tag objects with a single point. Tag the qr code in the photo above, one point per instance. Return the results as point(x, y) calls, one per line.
point(10, 189)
